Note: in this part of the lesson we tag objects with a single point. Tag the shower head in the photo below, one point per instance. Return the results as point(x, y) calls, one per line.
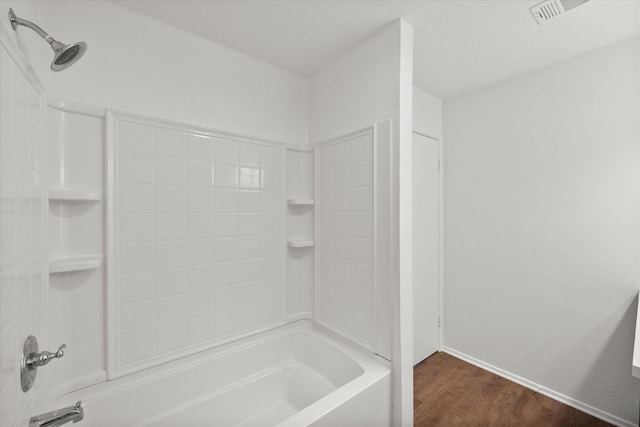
point(64, 55)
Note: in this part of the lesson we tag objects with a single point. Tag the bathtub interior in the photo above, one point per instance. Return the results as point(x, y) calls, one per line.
point(261, 380)
point(313, 368)
point(262, 401)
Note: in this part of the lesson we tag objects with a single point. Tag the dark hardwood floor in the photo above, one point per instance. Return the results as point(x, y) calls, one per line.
point(449, 392)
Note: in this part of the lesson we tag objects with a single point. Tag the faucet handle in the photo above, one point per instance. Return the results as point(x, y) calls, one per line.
point(58, 354)
point(44, 357)
point(31, 359)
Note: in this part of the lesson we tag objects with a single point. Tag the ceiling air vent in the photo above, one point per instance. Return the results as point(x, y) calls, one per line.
point(549, 9)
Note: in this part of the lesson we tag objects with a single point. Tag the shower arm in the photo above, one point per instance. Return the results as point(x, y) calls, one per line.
point(15, 21)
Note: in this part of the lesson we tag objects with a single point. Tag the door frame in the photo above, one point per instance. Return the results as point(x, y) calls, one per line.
point(441, 316)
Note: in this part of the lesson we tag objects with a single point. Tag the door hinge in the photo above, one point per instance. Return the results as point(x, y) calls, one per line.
point(438, 164)
point(438, 321)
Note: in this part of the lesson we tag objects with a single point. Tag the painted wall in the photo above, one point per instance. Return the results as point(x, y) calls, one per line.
point(137, 64)
point(372, 84)
point(427, 113)
point(22, 246)
point(358, 89)
point(401, 185)
point(542, 229)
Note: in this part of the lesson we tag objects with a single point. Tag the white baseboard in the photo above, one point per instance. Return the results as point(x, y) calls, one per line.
point(605, 416)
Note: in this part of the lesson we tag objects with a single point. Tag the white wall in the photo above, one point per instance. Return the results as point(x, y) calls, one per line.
point(137, 64)
point(542, 227)
point(22, 246)
point(427, 113)
point(401, 185)
point(372, 84)
point(358, 89)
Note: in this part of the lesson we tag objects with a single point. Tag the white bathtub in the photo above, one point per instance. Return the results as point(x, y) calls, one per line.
point(293, 376)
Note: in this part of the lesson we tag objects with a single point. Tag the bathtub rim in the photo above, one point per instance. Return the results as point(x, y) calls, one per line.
point(371, 363)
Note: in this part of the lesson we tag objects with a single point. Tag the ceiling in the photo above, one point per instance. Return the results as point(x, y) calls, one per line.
point(459, 45)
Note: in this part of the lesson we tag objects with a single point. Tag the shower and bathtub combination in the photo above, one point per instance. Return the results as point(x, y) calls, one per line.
point(201, 277)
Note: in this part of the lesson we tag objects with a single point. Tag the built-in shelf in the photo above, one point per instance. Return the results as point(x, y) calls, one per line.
point(301, 202)
point(65, 195)
point(74, 263)
point(300, 243)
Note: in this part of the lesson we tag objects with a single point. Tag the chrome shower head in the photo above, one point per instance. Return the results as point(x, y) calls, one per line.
point(65, 55)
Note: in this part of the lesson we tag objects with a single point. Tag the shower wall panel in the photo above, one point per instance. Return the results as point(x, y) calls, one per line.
point(75, 231)
point(345, 291)
point(200, 241)
point(22, 243)
point(300, 227)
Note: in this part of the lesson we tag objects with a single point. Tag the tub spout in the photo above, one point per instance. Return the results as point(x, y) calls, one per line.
point(58, 417)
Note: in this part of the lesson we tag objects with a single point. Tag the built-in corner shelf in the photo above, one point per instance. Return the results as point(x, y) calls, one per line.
point(301, 202)
point(67, 195)
point(301, 243)
point(74, 263)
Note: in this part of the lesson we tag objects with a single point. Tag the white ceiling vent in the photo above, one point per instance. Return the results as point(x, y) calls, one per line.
point(549, 9)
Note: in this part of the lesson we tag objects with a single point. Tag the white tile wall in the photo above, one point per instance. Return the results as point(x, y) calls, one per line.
point(345, 240)
point(200, 240)
point(22, 253)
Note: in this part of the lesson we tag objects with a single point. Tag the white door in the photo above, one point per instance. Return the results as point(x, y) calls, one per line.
point(426, 292)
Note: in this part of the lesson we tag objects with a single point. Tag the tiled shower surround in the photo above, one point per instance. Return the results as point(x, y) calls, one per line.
point(345, 233)
point(194, 238)
point(22, 252)
point(200, 241)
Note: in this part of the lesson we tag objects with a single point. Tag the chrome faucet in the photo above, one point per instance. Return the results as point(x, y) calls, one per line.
point(31, 359)
point(44, 357)
point(58, 417)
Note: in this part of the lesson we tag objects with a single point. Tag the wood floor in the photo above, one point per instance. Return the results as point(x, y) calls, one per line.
point(449, 392)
